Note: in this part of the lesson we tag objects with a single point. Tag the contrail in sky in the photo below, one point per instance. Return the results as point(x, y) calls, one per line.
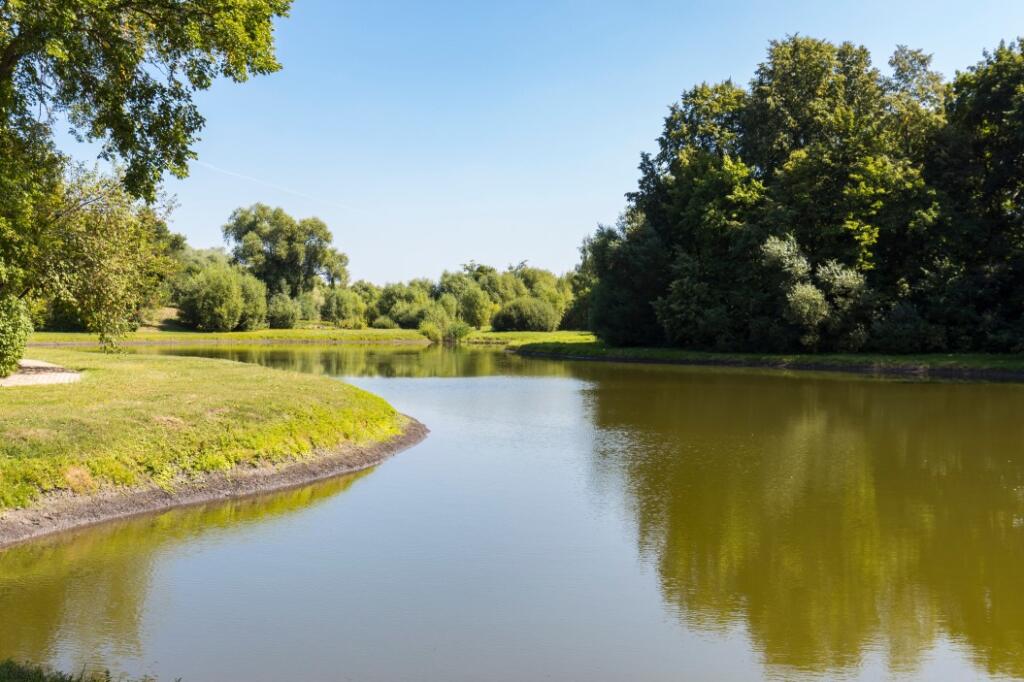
point(279, 188)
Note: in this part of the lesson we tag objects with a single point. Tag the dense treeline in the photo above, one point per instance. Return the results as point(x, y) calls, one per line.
point(826, 206)
point(282, 272)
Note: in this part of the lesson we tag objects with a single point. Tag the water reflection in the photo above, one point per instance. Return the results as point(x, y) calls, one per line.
point(378, 361)
point(829, 516)
point(841, 525)
point(88, 588)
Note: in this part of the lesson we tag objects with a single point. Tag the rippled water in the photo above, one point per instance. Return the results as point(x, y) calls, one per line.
point(581, 521)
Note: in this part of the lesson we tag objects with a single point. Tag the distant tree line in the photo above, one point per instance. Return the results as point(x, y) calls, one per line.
point(282, 272)
point(827, 206)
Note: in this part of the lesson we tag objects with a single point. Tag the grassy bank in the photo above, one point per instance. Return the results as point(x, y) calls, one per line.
point(949, 365)
point(513, 339)
point(138, 420)
point(150, 336)
point(307, 335)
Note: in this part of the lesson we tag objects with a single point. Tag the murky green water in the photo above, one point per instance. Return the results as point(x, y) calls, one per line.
point(577, 521)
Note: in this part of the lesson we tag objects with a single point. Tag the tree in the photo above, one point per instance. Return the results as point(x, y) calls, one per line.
point(826, 207)
point(526, 314)
point(82, 240)
point(125, 73)
point(288, 255)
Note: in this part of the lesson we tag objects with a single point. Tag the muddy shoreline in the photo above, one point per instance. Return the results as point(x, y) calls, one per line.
point(922, 372)
point(63, 512)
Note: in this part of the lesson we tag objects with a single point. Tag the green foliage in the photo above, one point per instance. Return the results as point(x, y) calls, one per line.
point(384, 322)
point(254, 303)
point(290, 256)
point(345, 308)
point(126, 73)
point(282, 311)
point(15, 327)
point(475, 306)
point(310, 303)
point(827, 207)
point(526, 314)
point(212, 299)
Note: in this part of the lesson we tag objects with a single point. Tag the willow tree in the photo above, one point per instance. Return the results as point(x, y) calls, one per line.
point(122, 73)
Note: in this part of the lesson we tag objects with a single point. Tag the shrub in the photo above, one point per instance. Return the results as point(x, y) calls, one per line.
point(475, 306)
point(15, 327)
point(310, 303)
point(384, 322)
point(254, 303)
point(526, 314)
point(211, 299)
point(282, 312)
point(449, 332)
point(344, 307)
point(807, 308)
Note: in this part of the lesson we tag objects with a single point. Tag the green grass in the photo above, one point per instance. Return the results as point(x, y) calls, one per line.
point(513, 339)
point(18, 672)
point(940, 363)
point(137, 420)
point(303, 335)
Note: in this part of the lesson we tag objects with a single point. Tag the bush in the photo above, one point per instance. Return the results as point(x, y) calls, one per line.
point(15, 327)
point(344, 308)
point(310, 304)
point(254, 303)
point(526, 314)
point(211, 299)
point(282, 312)
point(475, 306)
point(384, 322)
point(449, 332)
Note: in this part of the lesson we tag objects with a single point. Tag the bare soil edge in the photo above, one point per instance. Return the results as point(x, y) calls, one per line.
point(63, 512)
point(866, 368)
point(236, 342)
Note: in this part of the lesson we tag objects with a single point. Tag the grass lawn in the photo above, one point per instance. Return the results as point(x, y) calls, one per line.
point(314, 335)
point(143, 419)
point(513, 339)
point(952, 363)
point(302, 335)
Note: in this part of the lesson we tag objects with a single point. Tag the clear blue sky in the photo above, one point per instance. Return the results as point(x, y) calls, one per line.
point(427, 134)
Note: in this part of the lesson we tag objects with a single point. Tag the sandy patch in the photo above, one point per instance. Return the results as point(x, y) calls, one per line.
point(39, 373)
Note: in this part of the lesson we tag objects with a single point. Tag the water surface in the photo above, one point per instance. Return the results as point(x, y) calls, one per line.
point(582, 521)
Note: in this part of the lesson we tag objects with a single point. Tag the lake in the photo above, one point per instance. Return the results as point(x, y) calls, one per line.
point(575, 521)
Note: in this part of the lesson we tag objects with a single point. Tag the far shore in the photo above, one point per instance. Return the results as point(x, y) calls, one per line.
point(970, 367)
point(64, 511)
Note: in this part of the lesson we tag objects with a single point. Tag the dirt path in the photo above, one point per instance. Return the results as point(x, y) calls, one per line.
point(39, 373)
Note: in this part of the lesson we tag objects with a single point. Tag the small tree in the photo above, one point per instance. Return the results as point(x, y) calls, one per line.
point(526, 314)
point(15, 327)
point(212, 299)
point(254, 303)
point(282, 312)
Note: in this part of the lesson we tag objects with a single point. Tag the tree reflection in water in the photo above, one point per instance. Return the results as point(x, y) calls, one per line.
point(830, 516)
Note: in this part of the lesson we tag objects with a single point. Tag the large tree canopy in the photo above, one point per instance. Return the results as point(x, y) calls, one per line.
point(827, 206)
point(125, 71)
point(288, 255)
